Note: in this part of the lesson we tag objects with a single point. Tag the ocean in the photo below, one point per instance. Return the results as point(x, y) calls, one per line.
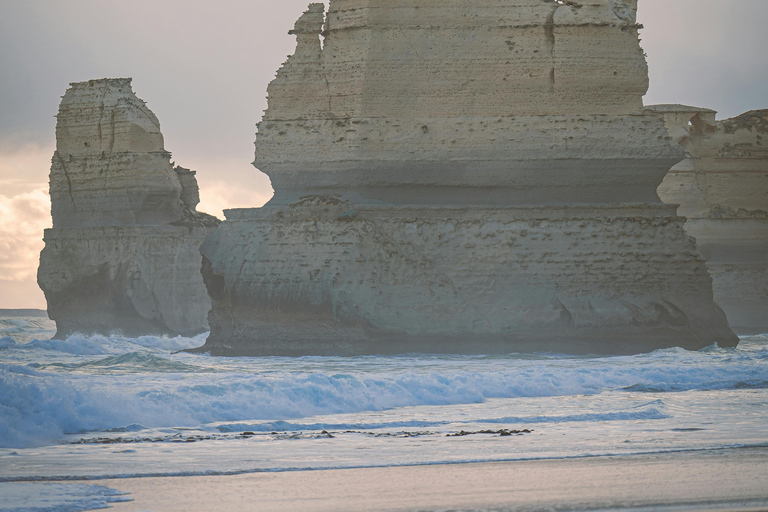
point(97, 407)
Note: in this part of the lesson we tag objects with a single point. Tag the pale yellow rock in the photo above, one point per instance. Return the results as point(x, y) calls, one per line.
point(457, 176)
point(722, 189)
point(123, 252)
point(451, 98)
point(110, 166)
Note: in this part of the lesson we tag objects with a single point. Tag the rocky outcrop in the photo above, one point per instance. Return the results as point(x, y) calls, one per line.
point(455, 177)
point(123, 252)
point(722, 189)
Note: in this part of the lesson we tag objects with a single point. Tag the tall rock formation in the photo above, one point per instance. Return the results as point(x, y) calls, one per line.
point(460, 177)
point(722, 188)
point(123, 254)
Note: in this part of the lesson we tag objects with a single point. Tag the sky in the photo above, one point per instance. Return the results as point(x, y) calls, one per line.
point(203, 69)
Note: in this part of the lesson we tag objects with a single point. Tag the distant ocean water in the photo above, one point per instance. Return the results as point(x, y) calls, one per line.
point(109, 406)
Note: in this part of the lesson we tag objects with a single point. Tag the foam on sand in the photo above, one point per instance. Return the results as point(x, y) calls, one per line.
point(56, 497)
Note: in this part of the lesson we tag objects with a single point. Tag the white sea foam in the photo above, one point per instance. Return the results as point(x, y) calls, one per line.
point(40, 402)
point(49, 388)
point(56, 497)
point(15, 330)
point(79, 344)
point(115, 398)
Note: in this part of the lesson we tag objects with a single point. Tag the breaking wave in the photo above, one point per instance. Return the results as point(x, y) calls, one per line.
point(24, 329)
point(132, 362)
point(79, 344)
point(50, 388)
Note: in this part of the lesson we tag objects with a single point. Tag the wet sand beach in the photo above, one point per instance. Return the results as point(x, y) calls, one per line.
point(732, 479)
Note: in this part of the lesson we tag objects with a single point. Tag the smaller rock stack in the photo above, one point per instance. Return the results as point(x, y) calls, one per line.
point(722, 188)
point(123, 252)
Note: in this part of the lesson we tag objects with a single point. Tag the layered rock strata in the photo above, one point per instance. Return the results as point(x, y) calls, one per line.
point(722, 189)
point(123, 253)
point(461, 178)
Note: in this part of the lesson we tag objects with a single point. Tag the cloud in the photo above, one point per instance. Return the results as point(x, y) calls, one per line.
point(23, 217)
point(209, 91)
point(229, 182)
point(218, 195)
point(25, 211)
point(22, 220)
point(24, 166)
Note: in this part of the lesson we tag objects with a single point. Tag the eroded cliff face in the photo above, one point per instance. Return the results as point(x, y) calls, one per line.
point(722, 189)
point(456, 177)
point(123, 252)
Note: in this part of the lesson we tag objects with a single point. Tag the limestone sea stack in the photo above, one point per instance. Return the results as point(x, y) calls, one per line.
point(461, 177)
point(123, 254)
point(722, 189)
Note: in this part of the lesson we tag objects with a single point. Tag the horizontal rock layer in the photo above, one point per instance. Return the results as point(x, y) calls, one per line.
point(448, 58)
point(323, 277)
point(480, 161)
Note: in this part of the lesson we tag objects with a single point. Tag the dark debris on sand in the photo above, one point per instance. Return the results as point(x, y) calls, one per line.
point(501, 433)
point(179, 438)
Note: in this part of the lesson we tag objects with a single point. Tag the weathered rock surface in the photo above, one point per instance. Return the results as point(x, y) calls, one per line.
point(456, 177)
point(722, 189)
point(434, 102)
point(123, 254)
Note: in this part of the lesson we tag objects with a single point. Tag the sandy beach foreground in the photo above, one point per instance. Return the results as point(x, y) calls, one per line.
point(735, 479)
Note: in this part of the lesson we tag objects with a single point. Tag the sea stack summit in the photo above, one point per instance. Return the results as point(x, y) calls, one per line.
point(452, 177)
point(123, 252)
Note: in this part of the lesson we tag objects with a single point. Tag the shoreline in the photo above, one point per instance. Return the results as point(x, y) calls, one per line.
point(724, 479)
point(245, 472)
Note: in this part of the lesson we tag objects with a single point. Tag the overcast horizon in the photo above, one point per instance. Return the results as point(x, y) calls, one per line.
point(203, 69)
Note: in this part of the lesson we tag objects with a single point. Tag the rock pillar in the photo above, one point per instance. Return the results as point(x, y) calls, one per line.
point(461, 178)
point(123, 254)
